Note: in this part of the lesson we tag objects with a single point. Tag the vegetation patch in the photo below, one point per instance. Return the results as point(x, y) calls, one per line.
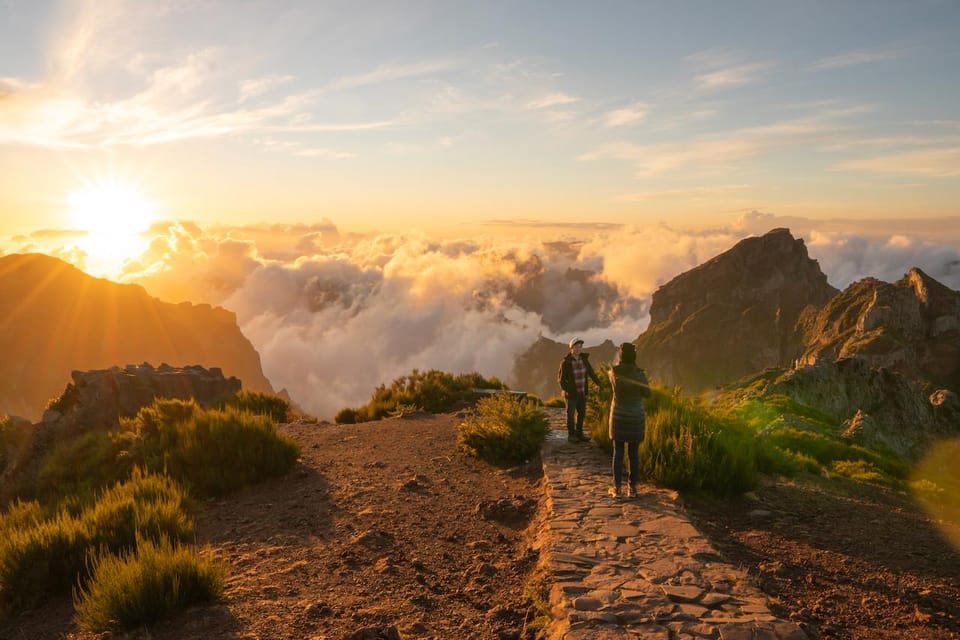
point(116, 503)
point(687, 445)
point(260, 404)
point(212, 451)
point(141, 586)
point(503, 430)
point(42, 555)
point(434, 391)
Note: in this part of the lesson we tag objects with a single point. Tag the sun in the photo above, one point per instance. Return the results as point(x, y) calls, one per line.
point(112, 217)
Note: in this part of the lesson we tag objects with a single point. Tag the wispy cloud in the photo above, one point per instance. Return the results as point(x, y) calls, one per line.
point(719, 69)
point(722, 152)
point(254, 87)
point(854, 58)
point(629, 115)
point(391, 72)
point(730, 77)
point(933, 163)
point(551, 100)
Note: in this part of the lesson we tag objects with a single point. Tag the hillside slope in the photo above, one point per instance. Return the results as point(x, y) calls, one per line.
point(55, 319)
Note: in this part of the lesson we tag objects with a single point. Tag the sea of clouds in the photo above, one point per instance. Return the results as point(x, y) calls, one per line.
point(334, 315)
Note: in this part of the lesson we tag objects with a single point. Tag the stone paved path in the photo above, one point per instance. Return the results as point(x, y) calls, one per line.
point(637, 568)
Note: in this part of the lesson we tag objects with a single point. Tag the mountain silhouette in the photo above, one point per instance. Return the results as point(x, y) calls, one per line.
point(55, 318)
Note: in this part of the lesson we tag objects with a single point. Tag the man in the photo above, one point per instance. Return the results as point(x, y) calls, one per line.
point(572, 376)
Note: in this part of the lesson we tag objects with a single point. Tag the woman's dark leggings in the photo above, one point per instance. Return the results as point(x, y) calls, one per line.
point(633, 450)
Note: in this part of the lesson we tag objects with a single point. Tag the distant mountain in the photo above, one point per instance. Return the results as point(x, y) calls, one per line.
point(535, 370)
point(54, 319)
point(733, 315)
point(911, 326)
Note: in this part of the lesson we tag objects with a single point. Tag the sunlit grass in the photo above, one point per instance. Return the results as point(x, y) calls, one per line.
point(143, 585)
point(502, 429)
point(42, 555)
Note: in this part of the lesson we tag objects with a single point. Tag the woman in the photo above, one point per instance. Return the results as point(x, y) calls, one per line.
point(627, 418)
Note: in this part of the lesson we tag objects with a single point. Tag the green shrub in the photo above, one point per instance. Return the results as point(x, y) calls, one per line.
point(211, 451)
point(689, 448)
point(774, 460)
point(82, 464)
point(139, 587)
point(859, 470)
point(433, 391)
point(261, 404)
point(502, 429)
point(41, 556)
point(20, 515)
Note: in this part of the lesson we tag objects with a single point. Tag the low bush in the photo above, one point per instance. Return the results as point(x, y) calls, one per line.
point(141, 586)
point(78, 466)
point(211, 451)
point(40, 555)
point(688, 447)
point(259, 403)
point(433, 391)
point(503, 430)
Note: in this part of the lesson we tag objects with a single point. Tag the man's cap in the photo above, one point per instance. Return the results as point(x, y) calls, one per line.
point(575, 341)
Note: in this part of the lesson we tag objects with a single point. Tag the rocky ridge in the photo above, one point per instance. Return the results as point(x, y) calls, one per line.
point(911, 326)
point(55, 319)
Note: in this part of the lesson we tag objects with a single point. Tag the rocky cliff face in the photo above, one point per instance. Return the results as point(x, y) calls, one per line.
point(911, 326)
point(55, 319)
point(878, 407)
point(734, 315)
point(535, 370)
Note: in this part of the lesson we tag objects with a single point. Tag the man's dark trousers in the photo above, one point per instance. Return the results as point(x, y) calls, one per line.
point(576, 405)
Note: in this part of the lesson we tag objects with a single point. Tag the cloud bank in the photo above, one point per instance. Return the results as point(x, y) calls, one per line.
point(333, 316)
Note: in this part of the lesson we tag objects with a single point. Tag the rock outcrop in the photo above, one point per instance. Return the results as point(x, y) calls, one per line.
point(911, 326)
point(535, 370)
point(98, 399)
point(55, 319)
point(734, 315)
point(878, 407)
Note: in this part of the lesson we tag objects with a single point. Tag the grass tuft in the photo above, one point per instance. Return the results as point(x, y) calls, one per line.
point(503, 430)
point(142, 586)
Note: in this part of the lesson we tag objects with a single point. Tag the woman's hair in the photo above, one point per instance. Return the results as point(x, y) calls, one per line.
point(628, 353)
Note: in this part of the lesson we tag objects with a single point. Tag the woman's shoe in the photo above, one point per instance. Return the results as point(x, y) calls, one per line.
point(615, 492)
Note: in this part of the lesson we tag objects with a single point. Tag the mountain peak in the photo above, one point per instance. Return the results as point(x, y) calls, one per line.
point(58, 319)
point(734, 314)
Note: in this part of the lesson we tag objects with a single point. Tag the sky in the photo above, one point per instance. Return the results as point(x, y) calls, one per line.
point(435, 184)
